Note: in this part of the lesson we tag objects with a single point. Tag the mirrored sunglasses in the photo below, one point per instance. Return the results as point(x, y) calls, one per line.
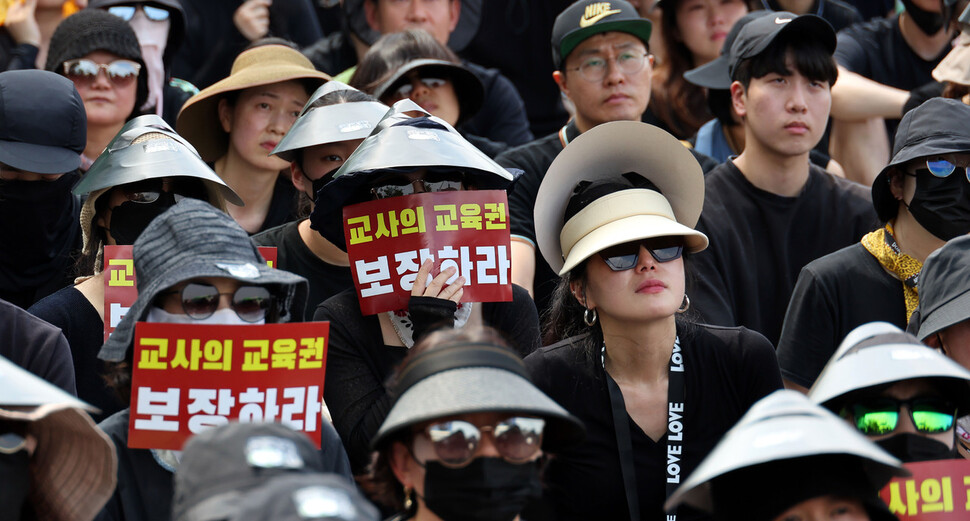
point(881, 415)
point(405, 90)
point(150, 190)
point(625, 256)
point(120, 72)
point(200, 301)
point(517, 439)
point(395, 185)
point(12, 443)
point(127, 12)
point(941, 167)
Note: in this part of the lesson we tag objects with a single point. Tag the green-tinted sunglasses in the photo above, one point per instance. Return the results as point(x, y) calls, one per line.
point(881, 415)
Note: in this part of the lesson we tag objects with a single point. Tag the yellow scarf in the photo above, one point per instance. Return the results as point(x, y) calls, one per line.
point(882, 245)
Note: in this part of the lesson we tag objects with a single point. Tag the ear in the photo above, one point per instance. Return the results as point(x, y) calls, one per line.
point(935, 341)
point(455, 13)
point(577, 288)
point(225, 115)
point(400, 460)
point(560, 78)
point(739, 99)
point(297, 177)
point(896, 182)
point(372, 15)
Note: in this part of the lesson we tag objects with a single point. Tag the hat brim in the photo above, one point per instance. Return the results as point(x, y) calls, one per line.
point(468, 88)
point(607, 151)
point(115, 349)
point(641, 28)
point(479, 389)
point(198, 120)
point(711, 75)
point(953, 312)
point(39, 159)
point(330, 124)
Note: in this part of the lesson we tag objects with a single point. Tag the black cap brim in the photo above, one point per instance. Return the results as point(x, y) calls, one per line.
point(39, 159)
point(711, 75)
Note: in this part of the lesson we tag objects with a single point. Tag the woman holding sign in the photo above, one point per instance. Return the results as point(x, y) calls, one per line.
point(615, 217)
point(407, 155)
point(142, 172)
point(195, 265)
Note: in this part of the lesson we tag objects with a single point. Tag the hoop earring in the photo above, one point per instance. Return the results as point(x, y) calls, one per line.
point(408, 498)
point(589, 317)
point(685, 305)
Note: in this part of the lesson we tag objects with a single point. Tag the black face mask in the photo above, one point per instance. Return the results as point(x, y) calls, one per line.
point(911, 447)
point(927, 21)
point(14, 484)
point(941, 205)
point(38, 228)
point(487, 489)
point(129, 219)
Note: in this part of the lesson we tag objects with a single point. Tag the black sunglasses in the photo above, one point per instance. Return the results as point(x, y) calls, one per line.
point(200, 301)
point(400, 184)
point(624, 256)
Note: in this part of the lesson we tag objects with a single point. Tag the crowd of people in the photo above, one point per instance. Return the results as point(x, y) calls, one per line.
point(732, 280)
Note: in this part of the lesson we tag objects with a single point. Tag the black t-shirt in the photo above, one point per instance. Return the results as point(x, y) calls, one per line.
point(81, 324)
point(359, 363)
point(534, 160)
point(36, 346)
point(833, 296)
point(759, 242)
point(332, 54)
point(726, 371)
point(283, 207)
point(293, 255)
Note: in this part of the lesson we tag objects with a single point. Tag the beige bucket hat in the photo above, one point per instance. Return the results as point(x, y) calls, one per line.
point(609, 151)
point(198, 122)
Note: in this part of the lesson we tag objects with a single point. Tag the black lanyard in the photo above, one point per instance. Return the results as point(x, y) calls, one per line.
point(675, 432)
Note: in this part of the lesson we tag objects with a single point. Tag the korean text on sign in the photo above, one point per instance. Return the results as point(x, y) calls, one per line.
point(937, 490)
point(196, 377)
point(389, 239)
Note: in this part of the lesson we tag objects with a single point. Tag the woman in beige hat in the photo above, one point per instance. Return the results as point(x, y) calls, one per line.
point(615, 217)
point(238, 121)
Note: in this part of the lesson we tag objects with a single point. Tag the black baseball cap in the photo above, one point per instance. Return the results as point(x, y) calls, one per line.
point(758, 34)
point(43, 126)
point(714, 74)
point(586, 18)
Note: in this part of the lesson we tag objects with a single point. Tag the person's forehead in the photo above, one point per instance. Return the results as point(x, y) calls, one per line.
point(603, 42)
point(911, 388)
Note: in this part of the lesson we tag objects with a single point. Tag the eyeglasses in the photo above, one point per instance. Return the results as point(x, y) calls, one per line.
point(624, 256)
point(120, 72)
point(517, 440)
point(150, 190)
point(595, 68)
point(126, 12)
point(200, 301)
point(941, 168)
point(881, 415)
point(405, 90)
point(395, 185)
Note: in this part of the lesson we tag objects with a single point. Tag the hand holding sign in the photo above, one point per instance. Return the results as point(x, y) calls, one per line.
point(439, 286)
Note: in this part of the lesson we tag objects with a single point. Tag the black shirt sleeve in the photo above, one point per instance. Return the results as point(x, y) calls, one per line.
point(502, 116)
point(36, 346)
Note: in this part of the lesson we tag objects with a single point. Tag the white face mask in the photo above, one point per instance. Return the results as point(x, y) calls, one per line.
point(224, 316)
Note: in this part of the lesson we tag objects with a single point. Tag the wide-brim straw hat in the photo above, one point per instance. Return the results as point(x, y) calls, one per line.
point(879, 353)
point(199, 122)
point(608, 151)
point(73, 469)
point(785, 426)
point(330, 123)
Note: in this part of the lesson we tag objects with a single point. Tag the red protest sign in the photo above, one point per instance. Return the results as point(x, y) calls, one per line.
point(389, 239)
point(937, 491)
point(189, 378)
point(119, 285)
point(120, 291)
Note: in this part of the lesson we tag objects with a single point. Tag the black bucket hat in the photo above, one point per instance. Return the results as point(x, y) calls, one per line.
point(586, 18)
point(944, 289)
point(468, 88)
point(194, 239)
point(938, 126)
point(714, 74)
point(46, 137)
point(401, 143)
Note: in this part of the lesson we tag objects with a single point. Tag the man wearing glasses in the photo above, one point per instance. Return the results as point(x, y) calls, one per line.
point(769, 211)
point(604, 69)
point(923, 196)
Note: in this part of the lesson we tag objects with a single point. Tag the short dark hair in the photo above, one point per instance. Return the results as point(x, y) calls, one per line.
point(394, 50)
point(810, 58)
point(720, 104)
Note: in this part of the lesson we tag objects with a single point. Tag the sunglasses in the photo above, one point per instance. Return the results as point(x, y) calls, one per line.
point(150, 190)
point(12, 443)
point(200, 301)
point(120, 72)
point(405, 90)
point(625, 256)
point(881, 415)
point(126, 12)
point(395, 185)
point(941, 168)
point(517, 440)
